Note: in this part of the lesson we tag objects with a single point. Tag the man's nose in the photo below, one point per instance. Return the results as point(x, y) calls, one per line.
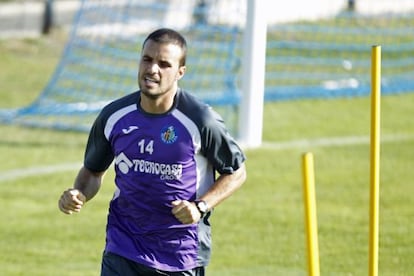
point(154, 68)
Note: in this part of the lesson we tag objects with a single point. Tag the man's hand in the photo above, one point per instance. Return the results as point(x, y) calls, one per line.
point(186, 212)
point(71, 201)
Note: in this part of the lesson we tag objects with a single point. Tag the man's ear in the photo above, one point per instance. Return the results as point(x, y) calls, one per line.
point(181, 72)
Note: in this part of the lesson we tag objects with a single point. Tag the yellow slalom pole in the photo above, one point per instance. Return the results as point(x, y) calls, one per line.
point(374, 159)
point(310, 214)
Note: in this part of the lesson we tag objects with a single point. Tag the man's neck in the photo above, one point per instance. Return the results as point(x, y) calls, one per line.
point(157, 105)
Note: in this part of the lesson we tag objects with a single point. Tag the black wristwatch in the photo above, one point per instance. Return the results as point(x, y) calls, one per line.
point(201, 206)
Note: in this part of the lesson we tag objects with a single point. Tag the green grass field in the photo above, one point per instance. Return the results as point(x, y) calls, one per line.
point(258, 231)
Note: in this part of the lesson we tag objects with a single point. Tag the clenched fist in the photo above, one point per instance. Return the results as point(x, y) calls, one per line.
point(71, 201)
point(186, 212)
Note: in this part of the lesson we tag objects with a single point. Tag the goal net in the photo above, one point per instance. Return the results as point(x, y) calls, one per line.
point(100, 60)
point(320, 50)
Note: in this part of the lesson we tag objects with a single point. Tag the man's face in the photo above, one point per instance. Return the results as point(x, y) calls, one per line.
point(159, 69)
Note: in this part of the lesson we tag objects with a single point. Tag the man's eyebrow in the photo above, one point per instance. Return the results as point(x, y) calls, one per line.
point(165, 61)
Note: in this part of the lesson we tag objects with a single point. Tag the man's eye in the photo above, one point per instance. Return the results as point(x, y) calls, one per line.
point(146, 59)
point(164, 64)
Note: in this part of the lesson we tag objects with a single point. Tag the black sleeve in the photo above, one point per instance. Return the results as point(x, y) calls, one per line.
point(219, 146)
point(98, 153)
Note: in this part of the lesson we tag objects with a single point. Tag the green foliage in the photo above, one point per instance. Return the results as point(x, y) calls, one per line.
point(260, 229)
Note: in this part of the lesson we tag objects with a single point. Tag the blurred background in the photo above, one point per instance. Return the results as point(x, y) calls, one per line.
point(313, 49)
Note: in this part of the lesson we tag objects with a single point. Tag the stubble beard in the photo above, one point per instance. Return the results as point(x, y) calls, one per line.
point(152, 96)
point(157, 92)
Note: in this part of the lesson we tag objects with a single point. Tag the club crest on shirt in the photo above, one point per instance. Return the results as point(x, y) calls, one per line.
point(169, 135)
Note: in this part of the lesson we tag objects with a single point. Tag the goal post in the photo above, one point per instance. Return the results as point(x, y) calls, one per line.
point(253, 75)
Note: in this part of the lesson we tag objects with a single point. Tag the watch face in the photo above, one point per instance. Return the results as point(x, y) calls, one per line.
point(202, 206)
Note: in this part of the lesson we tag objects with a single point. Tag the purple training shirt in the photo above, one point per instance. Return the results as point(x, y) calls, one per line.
point(158, 159)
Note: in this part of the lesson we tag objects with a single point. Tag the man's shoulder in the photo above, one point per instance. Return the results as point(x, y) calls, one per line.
point(201, 113)
point(124, 100)
point(188, 102)
point(120, 103)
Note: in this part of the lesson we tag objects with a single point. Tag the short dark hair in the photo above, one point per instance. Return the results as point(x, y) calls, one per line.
point(169, 36)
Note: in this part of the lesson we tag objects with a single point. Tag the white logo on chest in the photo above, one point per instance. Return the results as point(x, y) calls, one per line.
point(129, 129)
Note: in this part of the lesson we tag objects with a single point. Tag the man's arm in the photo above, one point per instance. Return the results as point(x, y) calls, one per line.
point(225, 186)
point(86, 186)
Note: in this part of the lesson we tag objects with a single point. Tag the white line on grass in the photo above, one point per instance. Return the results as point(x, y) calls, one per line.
point(334, 141)
point(38, 170)
point(321, 142)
